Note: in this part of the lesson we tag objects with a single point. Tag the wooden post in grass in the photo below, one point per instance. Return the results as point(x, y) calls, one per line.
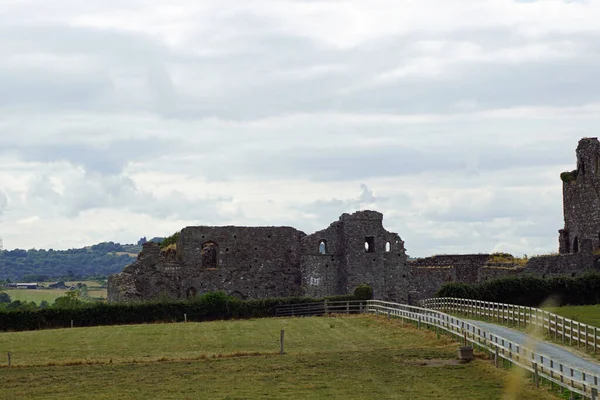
point(281, 338)
point(8, 354)
point(388, 315)
point(496, 357)
point(184, 317)
point(71, 323)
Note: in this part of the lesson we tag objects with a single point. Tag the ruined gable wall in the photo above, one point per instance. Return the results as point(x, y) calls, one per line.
point(383, 270)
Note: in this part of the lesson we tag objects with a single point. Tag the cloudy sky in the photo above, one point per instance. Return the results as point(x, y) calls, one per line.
point(129, 118)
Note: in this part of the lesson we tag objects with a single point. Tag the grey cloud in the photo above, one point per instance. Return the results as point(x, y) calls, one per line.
point(95, 191)
point(106, 159)
point(245, 79)
point(351, 163)
point(3, 202)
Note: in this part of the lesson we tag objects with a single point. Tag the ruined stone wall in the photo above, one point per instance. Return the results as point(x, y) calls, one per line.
point(373, 256)
point(561, 264)
point(271, 262)
point(241, 261)
point(487, 273)
point(427, 280)
point(581, 200)
point(358, 250)
point(466, 265)
point(322, 253)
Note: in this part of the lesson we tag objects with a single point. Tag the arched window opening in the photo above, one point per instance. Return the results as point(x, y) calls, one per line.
point(370, 244)
point(191, 293)
point(210, 251)
point(322, 247)
point(388, 247)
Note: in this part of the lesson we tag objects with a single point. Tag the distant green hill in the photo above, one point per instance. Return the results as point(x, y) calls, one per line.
point(39, 265)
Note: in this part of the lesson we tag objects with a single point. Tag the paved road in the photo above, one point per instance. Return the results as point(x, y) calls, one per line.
point(557, 353)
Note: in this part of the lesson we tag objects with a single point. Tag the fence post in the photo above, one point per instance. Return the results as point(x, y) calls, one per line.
point(347, 307)
point(326, 307)
point(419, 324)
point(595, 340)
point(281, 338)
point(496, 357)
point(536, 375)
point(388, 315)
point(360, 308)
point(71, 323)
point(184, 317)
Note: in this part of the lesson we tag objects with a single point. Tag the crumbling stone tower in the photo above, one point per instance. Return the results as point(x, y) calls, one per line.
point(581, 201)
point(355, 250)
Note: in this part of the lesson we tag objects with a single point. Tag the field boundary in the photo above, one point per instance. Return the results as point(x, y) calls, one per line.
point(556, 326)
point(321, 308)
point(576, 380)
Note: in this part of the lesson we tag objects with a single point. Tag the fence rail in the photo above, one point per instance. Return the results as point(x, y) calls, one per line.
point(572, 332)
point(576, 380)
point(321, 308)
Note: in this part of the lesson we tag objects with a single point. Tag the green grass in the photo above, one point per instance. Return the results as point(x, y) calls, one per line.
point(335, 358)
point(49, 295)
point(587, 314)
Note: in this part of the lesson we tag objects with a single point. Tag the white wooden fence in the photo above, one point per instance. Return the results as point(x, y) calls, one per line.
point(576, 380)
point(572, 332)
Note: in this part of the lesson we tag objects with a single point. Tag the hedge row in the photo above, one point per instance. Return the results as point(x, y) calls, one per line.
point(210, 306)
point(528, 290)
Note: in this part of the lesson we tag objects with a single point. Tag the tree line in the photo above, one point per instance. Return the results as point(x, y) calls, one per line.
point(101, 259)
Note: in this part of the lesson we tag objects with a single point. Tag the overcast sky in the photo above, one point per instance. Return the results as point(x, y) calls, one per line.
point(129, 118)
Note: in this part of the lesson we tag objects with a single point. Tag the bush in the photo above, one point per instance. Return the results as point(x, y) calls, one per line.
point(363, 292)
point(568, 177)
point(171, 240)
point(457, 289)
point(206, 307)
point(4, 298)
point(527, 290)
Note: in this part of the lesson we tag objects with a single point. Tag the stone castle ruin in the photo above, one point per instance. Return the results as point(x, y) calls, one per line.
point(259, 262)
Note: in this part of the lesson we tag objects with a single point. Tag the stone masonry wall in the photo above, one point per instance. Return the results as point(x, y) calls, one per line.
point(562, 264)
point(427, 280)
point(581, 200)
point(271, 262)
point(466, 265)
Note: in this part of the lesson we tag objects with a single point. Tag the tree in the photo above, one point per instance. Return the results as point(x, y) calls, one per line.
point(69, 300)
point(4, 298)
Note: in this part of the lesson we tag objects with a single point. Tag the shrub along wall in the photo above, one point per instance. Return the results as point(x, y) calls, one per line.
point(207, 307)
point(528, 290)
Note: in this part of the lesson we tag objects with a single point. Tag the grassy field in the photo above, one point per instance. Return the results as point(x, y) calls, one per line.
point(341, 358)
point(586, 314)
point(49, 295)
point(38, 295)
